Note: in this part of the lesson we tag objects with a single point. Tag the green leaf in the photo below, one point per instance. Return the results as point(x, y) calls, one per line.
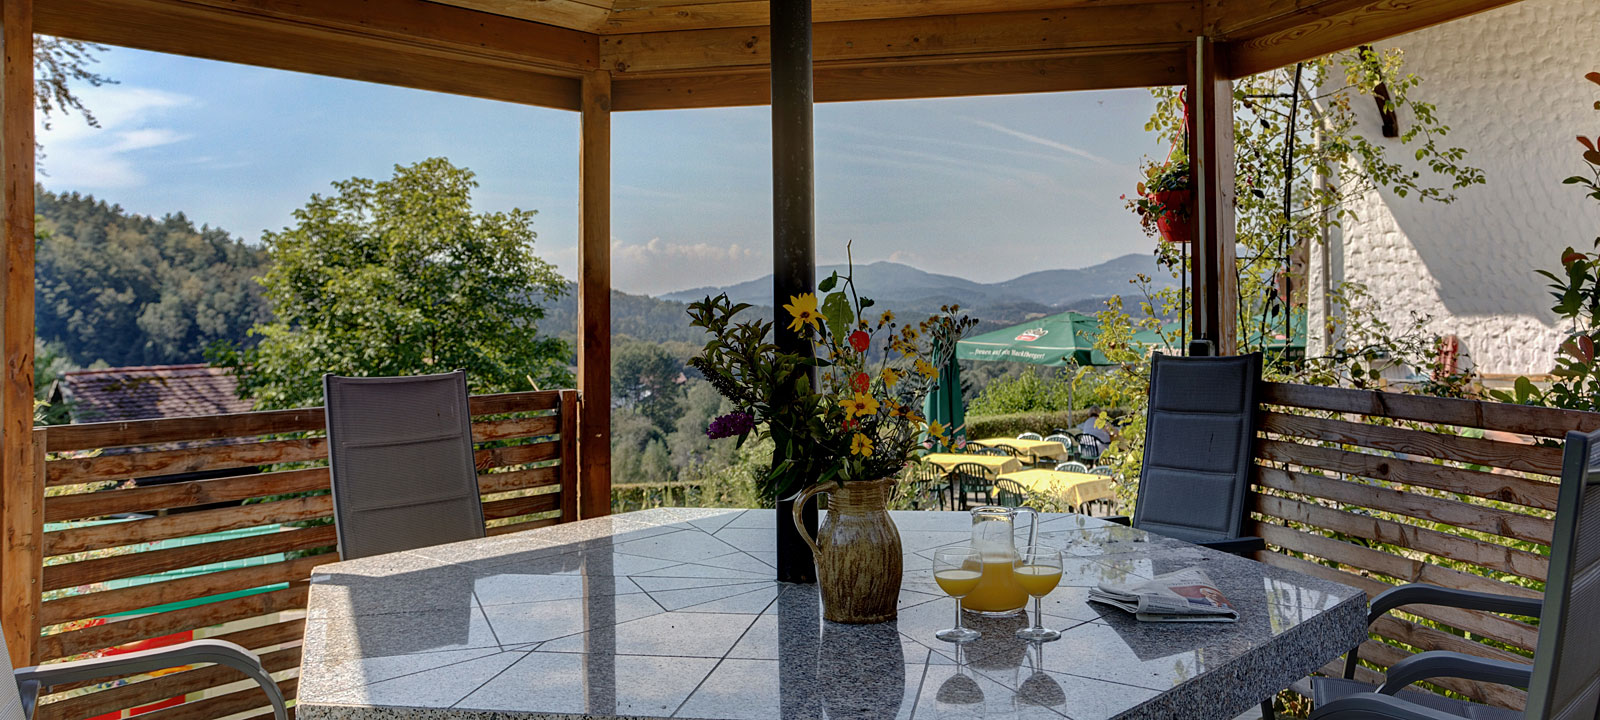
point(836, 309)
point(828, 283)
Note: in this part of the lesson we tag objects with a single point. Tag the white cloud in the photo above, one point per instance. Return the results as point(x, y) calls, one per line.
point(1046, 142)
point(131, 118)
point(659, 266)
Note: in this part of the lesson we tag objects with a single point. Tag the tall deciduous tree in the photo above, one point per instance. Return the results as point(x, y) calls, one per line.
point(401, 277)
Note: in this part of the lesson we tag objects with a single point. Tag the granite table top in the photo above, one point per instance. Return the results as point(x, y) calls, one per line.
point(674, 613)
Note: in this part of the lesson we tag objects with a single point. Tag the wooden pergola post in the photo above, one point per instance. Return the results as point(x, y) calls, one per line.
point(794, 261)
point(1214, 270)
point(594, 298)
point(23, 494)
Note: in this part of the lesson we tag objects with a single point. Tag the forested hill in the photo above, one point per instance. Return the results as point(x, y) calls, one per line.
point(134, 290)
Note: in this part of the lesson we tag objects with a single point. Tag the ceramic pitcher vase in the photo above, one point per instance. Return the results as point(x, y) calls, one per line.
point(857, 550)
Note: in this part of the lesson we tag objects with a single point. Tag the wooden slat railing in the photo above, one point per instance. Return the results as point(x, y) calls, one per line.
point(1375, 489)
point(269, 460)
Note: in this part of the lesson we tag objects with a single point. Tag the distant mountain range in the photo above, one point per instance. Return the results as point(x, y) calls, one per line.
point(907, 289)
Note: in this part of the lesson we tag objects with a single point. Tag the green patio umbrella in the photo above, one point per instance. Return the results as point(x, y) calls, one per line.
point(1054, 341)
point(944, 403)
point(1061, 340)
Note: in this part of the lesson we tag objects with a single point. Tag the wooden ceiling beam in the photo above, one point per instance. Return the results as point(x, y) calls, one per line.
point(411, 44)
point(992, 33)
point(635, 17)
point(1364, 23)
point(1087, 70)
point(573, 14)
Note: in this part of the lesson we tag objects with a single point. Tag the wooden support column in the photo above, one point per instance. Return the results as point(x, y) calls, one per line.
point(19, 465)
point(1213, 271)
point(794, 261)
point(594, 299)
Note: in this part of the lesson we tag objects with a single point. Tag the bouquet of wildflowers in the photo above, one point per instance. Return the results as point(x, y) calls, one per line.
point(860, 419)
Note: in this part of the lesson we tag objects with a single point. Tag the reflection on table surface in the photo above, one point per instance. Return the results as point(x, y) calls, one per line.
point(673, 613)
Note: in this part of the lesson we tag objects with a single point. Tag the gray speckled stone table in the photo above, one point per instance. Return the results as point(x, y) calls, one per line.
point(674, 613)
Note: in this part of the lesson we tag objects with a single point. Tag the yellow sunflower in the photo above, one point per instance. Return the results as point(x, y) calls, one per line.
point(890, 377)
point(886, 318)
point(861, 405)
point(926, 369)
point(936, 429)
point(803, 308)
point(861, 445)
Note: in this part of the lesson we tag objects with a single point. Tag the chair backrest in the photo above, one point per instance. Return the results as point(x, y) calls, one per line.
point(1030, 436)
point(972, 478)
point(11, 707)
point(1103, 470)
point(1089, 446)
point(1077, 467)
point(1199, 441)
point(400, 455)
point(1566, 667)
point(1066, 441)
point(1009, 493)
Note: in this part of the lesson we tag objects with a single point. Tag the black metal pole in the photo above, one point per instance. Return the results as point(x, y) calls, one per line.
point(794, 266)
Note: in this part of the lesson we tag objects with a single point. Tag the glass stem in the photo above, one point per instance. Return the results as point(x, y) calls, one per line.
point(958, 614)
point(1038, 615)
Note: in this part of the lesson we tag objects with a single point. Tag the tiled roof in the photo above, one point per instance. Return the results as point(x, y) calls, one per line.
point(156, 391)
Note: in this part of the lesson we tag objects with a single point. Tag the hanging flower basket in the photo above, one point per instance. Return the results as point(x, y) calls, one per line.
point(1163, 202)
point(1174, 223)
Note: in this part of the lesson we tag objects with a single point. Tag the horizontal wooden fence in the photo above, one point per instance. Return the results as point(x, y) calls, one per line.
point(222, 542)
point(1374, 489)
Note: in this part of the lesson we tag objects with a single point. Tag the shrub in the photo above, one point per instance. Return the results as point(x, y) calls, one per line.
point(1014, 424)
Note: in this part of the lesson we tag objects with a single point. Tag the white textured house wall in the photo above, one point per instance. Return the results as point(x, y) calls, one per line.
point(1509, 83)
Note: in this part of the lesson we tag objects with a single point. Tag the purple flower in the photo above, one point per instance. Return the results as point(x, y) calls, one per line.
point(734, 423)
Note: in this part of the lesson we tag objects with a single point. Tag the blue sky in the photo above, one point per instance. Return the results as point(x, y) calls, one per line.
point(983, 188)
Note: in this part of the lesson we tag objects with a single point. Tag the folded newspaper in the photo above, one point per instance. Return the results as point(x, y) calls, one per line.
point(1187, 595)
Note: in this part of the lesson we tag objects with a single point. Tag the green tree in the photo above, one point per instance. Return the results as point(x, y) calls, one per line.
point(1301, 159)
point(401, 277)
point(134, 290)
point(646, 377)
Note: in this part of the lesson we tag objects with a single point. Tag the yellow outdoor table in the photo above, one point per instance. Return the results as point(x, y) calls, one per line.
point(1046, 449)
point(994, 464)
point(1073, 488)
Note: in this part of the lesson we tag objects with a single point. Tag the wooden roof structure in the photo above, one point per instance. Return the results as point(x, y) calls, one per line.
point(663, 54)
point(601, 56)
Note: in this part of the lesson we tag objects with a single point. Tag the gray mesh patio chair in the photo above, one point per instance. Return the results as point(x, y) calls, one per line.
point(1030, 436)
point(1199, 440)
point(1072, 466)
point(17, 700)
point(400, 452)
point(1564, 681)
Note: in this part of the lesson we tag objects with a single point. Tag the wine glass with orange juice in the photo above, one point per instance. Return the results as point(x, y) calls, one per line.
point(1038, 571)
point(957, 571)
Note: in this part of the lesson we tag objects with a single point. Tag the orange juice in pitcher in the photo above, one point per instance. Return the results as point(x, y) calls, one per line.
point(994, 537)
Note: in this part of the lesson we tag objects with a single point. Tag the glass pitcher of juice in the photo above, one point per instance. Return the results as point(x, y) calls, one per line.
point(994, 537)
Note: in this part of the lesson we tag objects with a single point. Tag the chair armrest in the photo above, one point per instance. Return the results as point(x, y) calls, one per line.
point(1424, 594)
point(1119, 520)
point(215, 652)
point(1237, 546)
point(1372, 706)
point(1443, 663)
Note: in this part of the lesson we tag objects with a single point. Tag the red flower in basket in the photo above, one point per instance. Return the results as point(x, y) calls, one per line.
point(860, 340)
